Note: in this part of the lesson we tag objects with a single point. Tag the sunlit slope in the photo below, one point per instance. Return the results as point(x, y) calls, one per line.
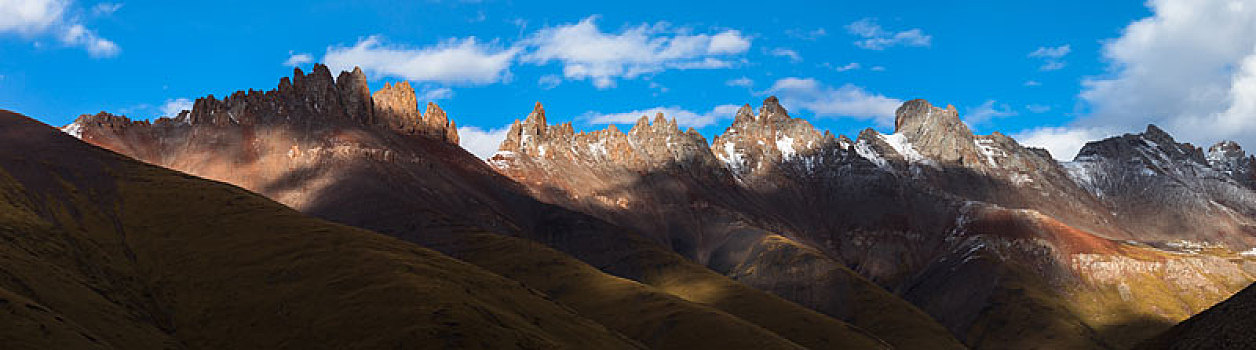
point(102, 251)
point(657, 319)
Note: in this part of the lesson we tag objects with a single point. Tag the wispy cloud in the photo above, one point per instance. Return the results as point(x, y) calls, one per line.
point(549, 81)
point(846, 67)
point(877, 38)
point(986, 112)
point(435, 94)
point(1052, 57)
point(813, 34)
point(298, 59)
point(105, 9)
point(788, 53)
point(740, 82)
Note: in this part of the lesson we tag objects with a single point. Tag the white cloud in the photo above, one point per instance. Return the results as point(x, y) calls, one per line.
point(298, 59)
point(877, 69)
point(435, 94)
point(684, 118)
point(1032, 83)
point(784, 52)
point(1190, 68)
point(740, 82)
point(1035, 108)
point(482, 143)
point(1062, 142)
point(1052, 57)
point(172, 107)
point(727, 42)
point(31, 18)
point(877, 38)
point(825, 101)
point(986, 112)
point(78, 35)
point(586, 52)
point(453, 61)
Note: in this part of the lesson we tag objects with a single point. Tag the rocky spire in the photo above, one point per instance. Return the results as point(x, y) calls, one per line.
point(396, 106)
point(772, 109)
point(744, 114)
point(1229, 158)
point(527, 133)
point(355, 95)
point(437, 125)
point(757, 143)
point(1154, 143)
point(936, 133)
point(316, 99)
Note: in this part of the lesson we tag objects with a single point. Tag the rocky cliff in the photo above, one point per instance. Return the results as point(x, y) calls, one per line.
point(314, 99)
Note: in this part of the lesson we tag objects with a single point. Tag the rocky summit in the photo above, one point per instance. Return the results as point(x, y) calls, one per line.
point(780, 233)
point(306, 99)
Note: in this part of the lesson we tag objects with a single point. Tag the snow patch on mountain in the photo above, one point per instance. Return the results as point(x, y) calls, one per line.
point(903, 147)
point(74, 129)
point(785, 144)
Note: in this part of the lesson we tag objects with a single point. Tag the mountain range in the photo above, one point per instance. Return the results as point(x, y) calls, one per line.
point(268, 216)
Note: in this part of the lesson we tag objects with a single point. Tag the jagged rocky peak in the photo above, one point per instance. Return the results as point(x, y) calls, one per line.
point(526, 134)
point(647, 144)
point(318, 99)
point(935, 132)
point(355, 94)
point(1229, 157)
point(100, 121)
point(755, 142)
point(1153, 145)
point(772, 109)
point(923, 133)
point(1226, 150)
point(396, 105)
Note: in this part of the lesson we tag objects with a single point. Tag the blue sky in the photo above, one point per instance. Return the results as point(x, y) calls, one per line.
point(1052, 73)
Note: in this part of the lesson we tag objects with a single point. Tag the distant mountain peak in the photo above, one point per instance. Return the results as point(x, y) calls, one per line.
point(315, 99)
